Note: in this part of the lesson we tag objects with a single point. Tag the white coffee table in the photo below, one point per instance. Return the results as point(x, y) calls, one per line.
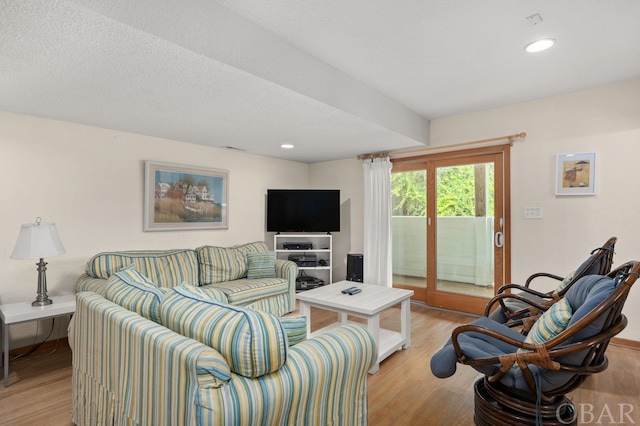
point(368, 304)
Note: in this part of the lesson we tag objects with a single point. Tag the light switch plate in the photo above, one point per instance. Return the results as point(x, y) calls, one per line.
point(532, 213)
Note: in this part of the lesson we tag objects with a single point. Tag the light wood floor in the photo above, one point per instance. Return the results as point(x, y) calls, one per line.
point(403, 392)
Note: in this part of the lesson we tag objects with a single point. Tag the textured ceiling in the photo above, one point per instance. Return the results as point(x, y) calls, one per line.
point(334, 78)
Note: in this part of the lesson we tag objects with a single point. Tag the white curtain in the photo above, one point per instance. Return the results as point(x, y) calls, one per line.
point(377, 221)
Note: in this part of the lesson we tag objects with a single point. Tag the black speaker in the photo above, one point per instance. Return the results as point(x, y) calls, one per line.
point(354, 267)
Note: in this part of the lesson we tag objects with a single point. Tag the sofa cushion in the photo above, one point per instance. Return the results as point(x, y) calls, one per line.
point(254, 247)
point(165, 268)
point(220, 264)
point(208, 292)
point(245, 291)
point(135, 292)
point(253, 343)
point(261, 265)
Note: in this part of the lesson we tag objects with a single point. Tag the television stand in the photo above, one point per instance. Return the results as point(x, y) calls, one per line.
point(313, 245)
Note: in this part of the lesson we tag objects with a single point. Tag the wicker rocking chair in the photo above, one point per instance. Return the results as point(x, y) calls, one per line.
point(526, 383)
point(514, 301)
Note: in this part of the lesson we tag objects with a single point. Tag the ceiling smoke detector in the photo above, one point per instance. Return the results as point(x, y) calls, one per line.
point(534, 19)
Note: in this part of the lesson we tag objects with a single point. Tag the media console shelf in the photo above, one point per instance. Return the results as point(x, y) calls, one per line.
point(321, 248)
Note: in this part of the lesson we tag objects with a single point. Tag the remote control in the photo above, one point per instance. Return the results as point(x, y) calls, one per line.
point(349, 290)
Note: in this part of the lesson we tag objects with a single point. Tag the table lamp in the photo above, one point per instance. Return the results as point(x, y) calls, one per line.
point(37, 241)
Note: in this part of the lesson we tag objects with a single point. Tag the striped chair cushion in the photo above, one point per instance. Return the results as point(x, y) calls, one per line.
point(220, 264)
point(166, 268)
point(261, 265)
point(133, 291)
point(252, 342)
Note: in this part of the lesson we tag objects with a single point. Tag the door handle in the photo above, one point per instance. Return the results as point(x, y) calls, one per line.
point(499, 239)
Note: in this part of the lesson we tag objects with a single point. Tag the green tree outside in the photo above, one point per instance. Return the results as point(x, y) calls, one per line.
point(455, 197)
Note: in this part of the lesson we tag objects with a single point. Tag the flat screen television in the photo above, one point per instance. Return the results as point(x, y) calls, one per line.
point(303, 210)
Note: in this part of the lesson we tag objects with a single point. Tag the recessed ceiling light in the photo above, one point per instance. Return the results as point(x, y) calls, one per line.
point(286, 146)
point(539, 45)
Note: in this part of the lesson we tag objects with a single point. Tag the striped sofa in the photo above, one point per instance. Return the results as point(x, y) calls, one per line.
point(248, 274)
point(147, 355)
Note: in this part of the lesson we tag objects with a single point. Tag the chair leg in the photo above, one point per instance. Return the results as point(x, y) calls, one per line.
point(495, 408)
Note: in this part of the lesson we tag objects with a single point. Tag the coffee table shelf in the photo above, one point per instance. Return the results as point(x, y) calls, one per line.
point(368, 305)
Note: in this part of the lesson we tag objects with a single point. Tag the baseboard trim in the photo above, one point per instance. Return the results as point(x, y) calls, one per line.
point(627, 343)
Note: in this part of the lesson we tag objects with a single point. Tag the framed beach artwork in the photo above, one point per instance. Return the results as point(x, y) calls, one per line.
point(576, 174)
point(180, 197)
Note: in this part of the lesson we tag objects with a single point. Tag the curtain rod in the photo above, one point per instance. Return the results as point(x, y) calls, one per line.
point(459, 146)
point(371, 156)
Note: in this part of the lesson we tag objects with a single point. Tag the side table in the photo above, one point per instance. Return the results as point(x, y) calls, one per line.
point(15, 313)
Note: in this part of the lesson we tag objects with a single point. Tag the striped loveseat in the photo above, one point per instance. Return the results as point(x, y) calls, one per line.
point(248, 274)
point(148, 355)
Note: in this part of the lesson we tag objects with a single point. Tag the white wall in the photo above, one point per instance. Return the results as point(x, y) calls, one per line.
point(345, 175)
point(606, 120)
point(90, 182)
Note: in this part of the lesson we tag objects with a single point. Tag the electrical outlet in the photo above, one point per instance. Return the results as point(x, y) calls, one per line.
point(532, 213)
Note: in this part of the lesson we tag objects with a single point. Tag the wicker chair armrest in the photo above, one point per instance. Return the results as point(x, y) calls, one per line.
point(542, 274)
point(532, 305)
point(482, 330)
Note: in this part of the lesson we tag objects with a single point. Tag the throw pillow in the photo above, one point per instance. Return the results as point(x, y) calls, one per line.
point(261, 265)
point(551, 323)
point(135, 292)
point(253, 343)
point(295, 328)
point(565, 282)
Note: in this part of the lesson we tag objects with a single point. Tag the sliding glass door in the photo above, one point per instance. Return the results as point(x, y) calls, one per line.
point(449, 229)
point(409, 228)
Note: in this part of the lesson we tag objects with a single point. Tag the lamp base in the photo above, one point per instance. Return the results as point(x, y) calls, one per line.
point(42, 299)
point(41, 302)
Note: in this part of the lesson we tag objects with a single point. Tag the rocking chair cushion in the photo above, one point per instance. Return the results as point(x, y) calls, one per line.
point(474, 345)
point(583, 296)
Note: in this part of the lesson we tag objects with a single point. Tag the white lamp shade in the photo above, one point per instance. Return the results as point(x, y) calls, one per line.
point(38, 240)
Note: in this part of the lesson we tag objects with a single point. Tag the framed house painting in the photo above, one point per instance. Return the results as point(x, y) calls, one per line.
point(182, 197)
point(576, 174)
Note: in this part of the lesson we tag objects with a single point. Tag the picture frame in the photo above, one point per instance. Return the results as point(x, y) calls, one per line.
point(178, 197)
point(576, 174)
